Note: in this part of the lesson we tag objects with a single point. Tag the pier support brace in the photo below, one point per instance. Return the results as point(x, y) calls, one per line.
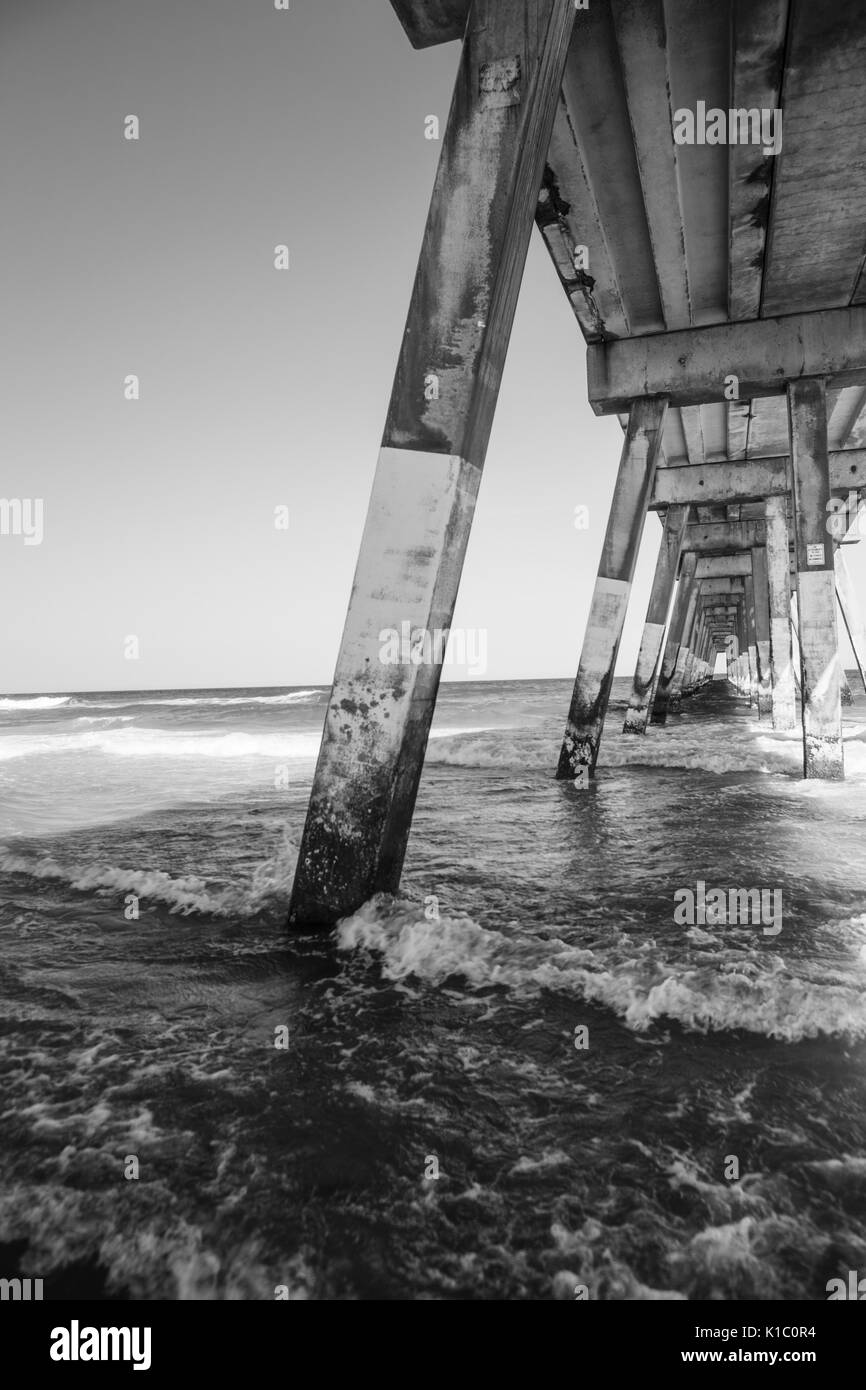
point(649, 657)
point(625, 524)
point(795, 643)
point(819, 654)
point(851, 613)
point(445, 389)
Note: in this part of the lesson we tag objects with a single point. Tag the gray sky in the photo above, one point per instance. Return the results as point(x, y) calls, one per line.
point(259, 388)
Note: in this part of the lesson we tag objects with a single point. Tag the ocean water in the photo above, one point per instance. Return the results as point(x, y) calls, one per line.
point(435, 1031)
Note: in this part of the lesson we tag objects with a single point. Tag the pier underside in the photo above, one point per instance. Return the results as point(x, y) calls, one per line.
point(718, 281)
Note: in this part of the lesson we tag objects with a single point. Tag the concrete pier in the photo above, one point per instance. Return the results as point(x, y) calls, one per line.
point(648, 666)
point(762, 629)
point(734, 358)
point(816, 586)
point(779, 585)
point(676, 630)
point(434, 446)
point(612, 587)
point(676, 627)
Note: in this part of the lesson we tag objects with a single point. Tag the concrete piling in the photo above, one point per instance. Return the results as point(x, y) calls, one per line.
point(816, 590)
point(649, 659)
point(612, 587)
point(442, 404)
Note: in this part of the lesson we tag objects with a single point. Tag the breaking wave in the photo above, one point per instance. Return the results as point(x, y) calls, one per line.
point(704, 747)
point(142, 697)
point(33, 702)
point(292, 697)
point(732, 986)
point(268, 886)
point(163, 743)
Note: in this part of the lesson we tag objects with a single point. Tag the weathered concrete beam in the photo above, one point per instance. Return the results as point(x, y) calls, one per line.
point(821, 668)
point(714, 483)
point(723, 537)
point(693, 431)
point(584, 204)
point(720, 617)
point(723, 585)
point(649, 657)
point(692, 366)
point(749, 480)
point(612, 587)
point(643, 55)
point(757, 62)
point(429, 22)
point(722, 566)
point(433, 450)
point(717, 603)
point(738, 415)
point(565, 223)
point(825, 60)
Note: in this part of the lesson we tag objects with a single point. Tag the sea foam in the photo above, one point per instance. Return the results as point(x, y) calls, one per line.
point(640, 980)
point(34, 702)
point(269, 885)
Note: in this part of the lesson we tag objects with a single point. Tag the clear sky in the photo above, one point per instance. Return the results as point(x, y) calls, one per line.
point(259, 388)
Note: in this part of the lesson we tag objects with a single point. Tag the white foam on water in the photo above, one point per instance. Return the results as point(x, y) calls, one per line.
point(162, 743)
point(269, 885)
point(489, 747)
point(641, 981)
point(34, 702)
point(293, 697)
point(704, 745)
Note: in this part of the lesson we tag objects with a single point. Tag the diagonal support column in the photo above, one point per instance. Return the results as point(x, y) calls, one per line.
point(851, 612)
point(778, 578)
point(684, 655)
point(821, 668)
point(648, 661)
point(433, 450)
point(694, 674)
point(795, 642)
point(625, 523)
point(685, 588)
